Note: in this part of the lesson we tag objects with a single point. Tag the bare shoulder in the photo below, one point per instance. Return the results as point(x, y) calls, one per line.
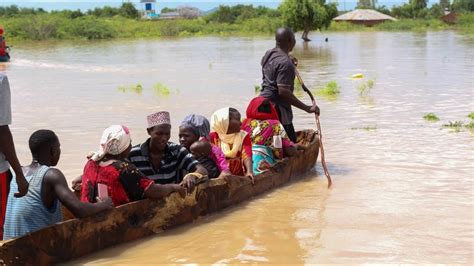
point(54, 175)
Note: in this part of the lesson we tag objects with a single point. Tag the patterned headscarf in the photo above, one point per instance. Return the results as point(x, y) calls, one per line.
point(198, 124)
point(115, 140)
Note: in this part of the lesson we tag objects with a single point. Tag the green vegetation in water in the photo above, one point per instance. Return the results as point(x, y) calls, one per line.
point(162, 90)
point(257, 88)
point(366, 128)
point(431, 117)
point(470, 126)
point(471, 115)
point(365, 87)
point(138, 88)
point(330, 91)
point(455, 126)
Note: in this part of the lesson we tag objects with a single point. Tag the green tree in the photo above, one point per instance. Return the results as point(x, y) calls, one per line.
point(128, 10)
point(444, 3)
point(463, 5)
point(307, 15)
point(419, 4)
point(366, 4)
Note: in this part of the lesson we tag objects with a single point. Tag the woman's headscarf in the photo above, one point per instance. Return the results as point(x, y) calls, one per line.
point(198, 124)
point(254, 113)
point(115, 140)
point(220, 124)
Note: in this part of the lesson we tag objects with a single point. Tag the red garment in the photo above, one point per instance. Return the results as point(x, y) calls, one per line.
point(236, 165)
point(125, 183)
point(253, 113)
point(4, 188)
point(3, 46)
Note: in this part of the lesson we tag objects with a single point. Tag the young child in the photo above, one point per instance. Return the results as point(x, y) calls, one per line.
point(201, 151)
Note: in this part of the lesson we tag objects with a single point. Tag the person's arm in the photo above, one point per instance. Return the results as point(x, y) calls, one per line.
point(285, 81)
point(194, 169)
point(7, 147)
point(77, 183)
point(138, 186)
point(196, 173)
point(155, 191)
point(56, 180)
point(219, 158)
point(285, 93)
point(247, 157)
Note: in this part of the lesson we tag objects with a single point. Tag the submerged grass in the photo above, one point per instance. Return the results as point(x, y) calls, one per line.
point(431, 117)
point(162, 90)
point(159, 89)
point(330, 91)
point(366, 128)
point(365, 87)
point(470, 126)
point(137, 88)
point(257, 89)
point(455, 126)
point(471, 115)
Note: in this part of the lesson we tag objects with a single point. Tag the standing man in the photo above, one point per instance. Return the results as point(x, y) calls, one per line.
point(7, 152)
point(278, 70)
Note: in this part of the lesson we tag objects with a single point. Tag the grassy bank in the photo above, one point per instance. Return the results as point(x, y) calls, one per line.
point(48, 26)
point(51, 26)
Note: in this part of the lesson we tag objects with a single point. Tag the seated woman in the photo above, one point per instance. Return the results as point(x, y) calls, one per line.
point(269, 139)
point(196, 128)
point(234, 142)
point(109, 172)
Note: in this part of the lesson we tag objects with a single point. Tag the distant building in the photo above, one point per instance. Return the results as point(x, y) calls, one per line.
point(367, 17)
point(450, 18)
point(149, 9)
point(184, 12)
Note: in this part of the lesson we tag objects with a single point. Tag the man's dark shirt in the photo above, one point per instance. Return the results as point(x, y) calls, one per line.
point(175, 162)
point(278, 69)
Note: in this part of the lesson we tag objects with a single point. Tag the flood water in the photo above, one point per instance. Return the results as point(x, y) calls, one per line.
point(403, 187)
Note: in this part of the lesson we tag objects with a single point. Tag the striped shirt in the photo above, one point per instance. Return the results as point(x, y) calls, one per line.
point(176, 161)
point(28, 213)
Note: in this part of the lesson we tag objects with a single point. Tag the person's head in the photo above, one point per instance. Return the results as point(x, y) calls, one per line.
point(115, 142)
point(45, 147)
point(200, 149)
point(159, 129)
point(261, 108)
point(193, 128)
point(226, 121)
point(285, 39)
point(234, 121)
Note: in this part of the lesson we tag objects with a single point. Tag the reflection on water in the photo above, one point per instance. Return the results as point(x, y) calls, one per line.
point(403, 187)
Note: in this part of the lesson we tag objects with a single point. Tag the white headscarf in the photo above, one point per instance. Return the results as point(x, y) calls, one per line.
point(115, 140)
point(220, 124)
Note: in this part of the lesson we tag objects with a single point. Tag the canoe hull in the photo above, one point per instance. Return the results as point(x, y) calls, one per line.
point(78, 237)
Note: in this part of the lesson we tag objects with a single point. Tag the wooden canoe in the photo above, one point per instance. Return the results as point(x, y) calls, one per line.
point(78, 237)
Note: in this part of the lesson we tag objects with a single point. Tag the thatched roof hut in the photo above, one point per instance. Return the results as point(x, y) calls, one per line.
point(366, 17)
point(450, 18)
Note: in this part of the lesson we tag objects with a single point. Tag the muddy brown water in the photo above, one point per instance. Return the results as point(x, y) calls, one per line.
point(403, 187)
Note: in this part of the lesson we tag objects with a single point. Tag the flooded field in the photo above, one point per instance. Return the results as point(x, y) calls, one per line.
point(403, 186)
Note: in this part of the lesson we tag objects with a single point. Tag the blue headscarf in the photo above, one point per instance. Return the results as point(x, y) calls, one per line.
point(198, 124)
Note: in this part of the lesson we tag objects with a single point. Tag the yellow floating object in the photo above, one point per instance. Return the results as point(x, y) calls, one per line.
point(358, 76)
